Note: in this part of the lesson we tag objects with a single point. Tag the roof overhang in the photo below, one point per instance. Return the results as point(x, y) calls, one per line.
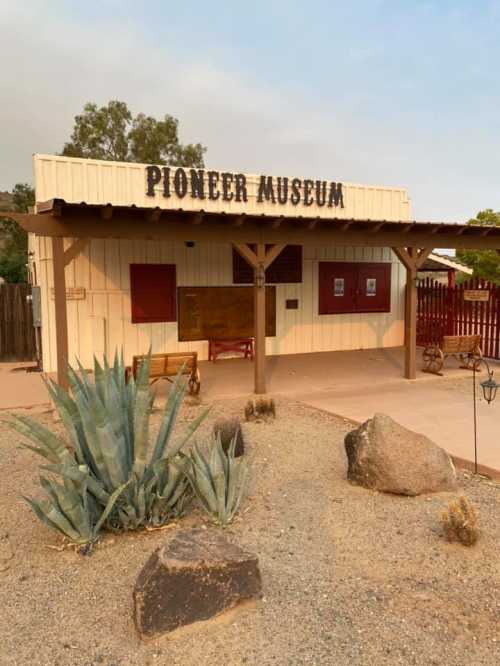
point(58, 218)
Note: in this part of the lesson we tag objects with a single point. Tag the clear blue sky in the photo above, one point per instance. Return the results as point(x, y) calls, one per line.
point(390, 93)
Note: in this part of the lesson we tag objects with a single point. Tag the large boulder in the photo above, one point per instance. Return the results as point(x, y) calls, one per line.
point(197, 574)
point(385, 456)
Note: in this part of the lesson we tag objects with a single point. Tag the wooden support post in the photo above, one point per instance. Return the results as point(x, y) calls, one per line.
point(412, 258)
point(61, 315)
point(259, 260)
point(259, 272)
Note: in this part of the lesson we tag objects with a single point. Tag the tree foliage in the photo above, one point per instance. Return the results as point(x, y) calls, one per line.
point(13, 254)
point(112, 133)
point(485, 263)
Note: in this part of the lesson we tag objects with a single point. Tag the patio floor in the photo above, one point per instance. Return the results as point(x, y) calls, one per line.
point(353, 384)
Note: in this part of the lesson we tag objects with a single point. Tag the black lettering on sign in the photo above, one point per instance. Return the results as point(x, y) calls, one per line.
point(335, 196)
point(180, 183)
point(230, 186)
point(240, 184)
point(266, 189)
point(320, 192)
point(296, 185)
point(166, 182)
point(308, 185)
point(227, 179)
point(197, 184)
point(213, 179)
point(153, 177)
point(282, 190)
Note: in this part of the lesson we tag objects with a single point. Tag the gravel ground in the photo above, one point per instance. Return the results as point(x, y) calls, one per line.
point(350, 576)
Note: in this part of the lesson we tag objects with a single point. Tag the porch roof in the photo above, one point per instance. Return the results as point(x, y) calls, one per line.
point(59, 218)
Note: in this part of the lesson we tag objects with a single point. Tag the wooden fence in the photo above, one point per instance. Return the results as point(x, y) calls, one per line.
point(17, 335)
point(444, 310)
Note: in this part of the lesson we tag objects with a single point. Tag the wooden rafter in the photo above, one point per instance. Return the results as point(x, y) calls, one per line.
point(197, 218)
point(153, 215)
point(107, 212)
point(239, 221)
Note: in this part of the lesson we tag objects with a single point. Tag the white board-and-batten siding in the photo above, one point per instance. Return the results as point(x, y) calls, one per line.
point(101, 322)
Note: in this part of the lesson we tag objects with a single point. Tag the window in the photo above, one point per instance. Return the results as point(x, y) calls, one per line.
point(153, 293)
point(354, 287)
point(287, 267)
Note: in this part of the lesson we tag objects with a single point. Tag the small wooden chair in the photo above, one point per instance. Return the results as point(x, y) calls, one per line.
point(465, 348)
point(165, 366)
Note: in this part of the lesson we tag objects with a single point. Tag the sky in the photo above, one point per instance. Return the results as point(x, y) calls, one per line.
point(374, 92)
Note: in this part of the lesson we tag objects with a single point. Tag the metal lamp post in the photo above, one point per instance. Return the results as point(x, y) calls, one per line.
point(490, 387)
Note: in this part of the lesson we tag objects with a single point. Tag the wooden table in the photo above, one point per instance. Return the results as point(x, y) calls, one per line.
point(235, 345)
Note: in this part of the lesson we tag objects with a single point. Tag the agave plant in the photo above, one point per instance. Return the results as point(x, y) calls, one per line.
point(218, 481)
point(111, 477)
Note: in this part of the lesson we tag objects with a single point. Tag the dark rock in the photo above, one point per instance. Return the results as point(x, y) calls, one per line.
point(194, 576)
point(385, 456)
point(228, 429)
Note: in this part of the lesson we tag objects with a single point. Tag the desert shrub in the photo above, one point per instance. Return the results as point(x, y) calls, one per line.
point(459, 521)
point(217, 480)
point(112, 477)
point(262, 408)
point(227, 430)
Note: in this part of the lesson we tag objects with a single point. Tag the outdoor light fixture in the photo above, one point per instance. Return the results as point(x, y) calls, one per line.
point(490, 387)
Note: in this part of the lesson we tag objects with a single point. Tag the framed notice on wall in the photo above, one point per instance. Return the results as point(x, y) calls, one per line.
point(211, 313)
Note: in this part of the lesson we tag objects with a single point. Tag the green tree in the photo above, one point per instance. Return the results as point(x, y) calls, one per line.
point(485, 263)
point(14, 251)
point(112, 133)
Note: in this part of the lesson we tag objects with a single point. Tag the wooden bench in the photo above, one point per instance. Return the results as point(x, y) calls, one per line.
point(165, 366)
point(465, 348)
point(235, 345)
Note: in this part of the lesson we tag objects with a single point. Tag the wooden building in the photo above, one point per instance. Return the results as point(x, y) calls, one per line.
point(133, 256)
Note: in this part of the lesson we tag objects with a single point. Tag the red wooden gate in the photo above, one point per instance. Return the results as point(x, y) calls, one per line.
point(443, 310)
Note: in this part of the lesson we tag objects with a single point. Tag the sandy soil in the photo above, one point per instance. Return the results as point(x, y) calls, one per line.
point(350, 576)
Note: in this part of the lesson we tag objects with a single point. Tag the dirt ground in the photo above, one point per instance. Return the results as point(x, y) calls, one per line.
point(350, 576)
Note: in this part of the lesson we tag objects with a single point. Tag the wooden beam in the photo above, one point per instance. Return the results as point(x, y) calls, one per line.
point(131, 225)
point(74, 249)
point(403, 256)
point(277, 222)
point(260, 320)
point(423, 256)
point(312, 224)
point(197, 218)
point(376, 227)
point(273, 253)
point(153, 215)
point(107, 212)
point(61, 316)
point(239, 221)
point(248, 255)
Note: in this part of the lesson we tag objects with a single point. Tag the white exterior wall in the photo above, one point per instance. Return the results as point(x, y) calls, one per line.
point(101, 322)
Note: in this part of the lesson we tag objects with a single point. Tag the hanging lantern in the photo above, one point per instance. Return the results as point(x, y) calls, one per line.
point(490, 388)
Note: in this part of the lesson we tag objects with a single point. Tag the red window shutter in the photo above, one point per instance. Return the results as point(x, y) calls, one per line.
point(374, 288)
point(287, 267)
point(337, 287)
point(153, 293)
point(346, 287)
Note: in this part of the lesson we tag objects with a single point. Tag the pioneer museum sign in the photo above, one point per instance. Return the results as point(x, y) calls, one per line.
point(227, 186)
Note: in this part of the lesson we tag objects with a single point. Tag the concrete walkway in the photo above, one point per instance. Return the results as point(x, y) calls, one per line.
point(353, 384)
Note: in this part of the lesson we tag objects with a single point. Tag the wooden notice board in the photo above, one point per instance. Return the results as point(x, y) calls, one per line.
point(221, 312)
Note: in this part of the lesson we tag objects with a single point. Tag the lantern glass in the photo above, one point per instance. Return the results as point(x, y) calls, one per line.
point(490, 388)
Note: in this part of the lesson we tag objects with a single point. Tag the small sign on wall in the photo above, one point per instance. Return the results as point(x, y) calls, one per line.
point(72, 293)
point(482, 295)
